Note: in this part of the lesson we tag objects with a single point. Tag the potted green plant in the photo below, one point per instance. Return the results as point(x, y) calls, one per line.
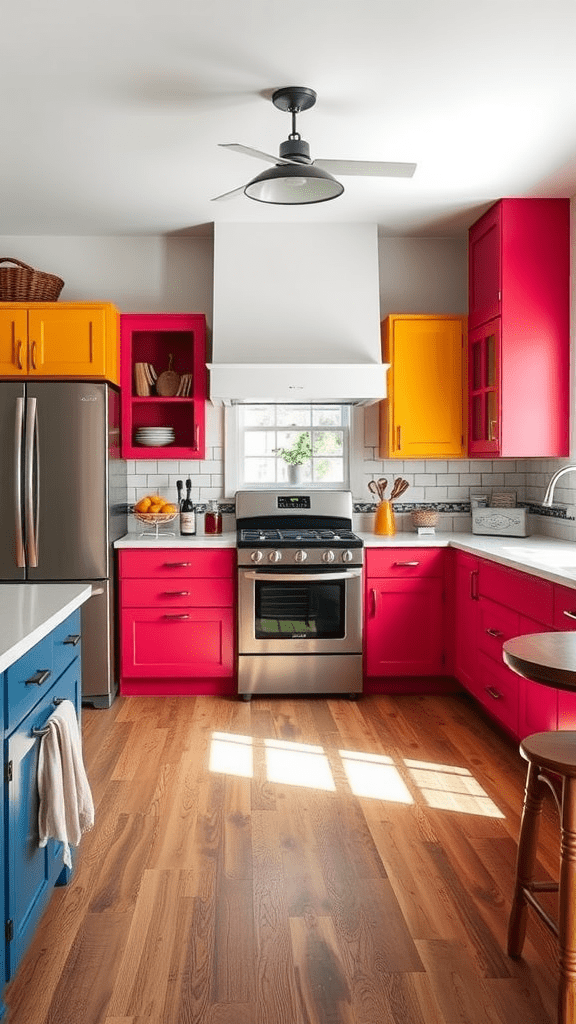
point(295, 456)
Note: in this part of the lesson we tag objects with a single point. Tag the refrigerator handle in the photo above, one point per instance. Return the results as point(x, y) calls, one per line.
point(31, 476)
point(18, 534)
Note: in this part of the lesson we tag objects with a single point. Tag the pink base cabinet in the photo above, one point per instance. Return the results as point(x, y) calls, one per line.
point(177, 621)
point(404, 621)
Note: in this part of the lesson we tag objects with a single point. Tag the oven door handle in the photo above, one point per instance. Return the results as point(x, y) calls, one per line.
point(297, 577)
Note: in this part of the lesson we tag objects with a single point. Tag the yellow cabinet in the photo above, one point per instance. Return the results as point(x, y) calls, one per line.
point(59, 339)
point(423, 415)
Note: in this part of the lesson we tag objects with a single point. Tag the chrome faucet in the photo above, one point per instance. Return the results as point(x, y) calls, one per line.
point(550, 489)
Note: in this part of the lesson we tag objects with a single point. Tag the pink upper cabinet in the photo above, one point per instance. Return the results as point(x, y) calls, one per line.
point(519, 278)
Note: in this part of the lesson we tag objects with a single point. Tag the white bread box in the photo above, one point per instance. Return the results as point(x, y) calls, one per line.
point(500, 522)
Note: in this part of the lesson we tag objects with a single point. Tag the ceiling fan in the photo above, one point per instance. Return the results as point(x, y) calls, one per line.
point(295, 178)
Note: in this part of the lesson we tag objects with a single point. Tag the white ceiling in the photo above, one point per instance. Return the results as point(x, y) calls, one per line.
point(111, 111)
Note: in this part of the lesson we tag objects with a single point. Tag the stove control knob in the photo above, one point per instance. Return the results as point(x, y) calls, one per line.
point(256, 556)
point(328, 556)
point(347, 556)
point(300, 556)
point(274, 556)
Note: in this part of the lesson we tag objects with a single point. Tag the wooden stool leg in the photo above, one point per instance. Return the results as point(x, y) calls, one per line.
point(526, 858)
point(567, 906)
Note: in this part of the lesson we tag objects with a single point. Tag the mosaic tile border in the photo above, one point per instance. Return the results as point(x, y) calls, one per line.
point(463, 508)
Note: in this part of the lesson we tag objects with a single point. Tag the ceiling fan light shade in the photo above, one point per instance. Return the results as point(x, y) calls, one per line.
point(290, 184)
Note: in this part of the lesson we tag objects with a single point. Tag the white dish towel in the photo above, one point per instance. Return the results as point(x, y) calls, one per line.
point(66, 809)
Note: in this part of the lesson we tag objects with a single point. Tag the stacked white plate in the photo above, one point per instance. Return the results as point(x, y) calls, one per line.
point(154, 437)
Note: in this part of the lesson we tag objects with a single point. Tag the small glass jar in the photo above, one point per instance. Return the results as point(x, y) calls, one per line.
point(212, 518)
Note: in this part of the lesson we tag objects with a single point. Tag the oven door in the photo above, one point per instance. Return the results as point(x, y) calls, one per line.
point(289, 612)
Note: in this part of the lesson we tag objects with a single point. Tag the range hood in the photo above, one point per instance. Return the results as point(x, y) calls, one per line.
point(296, 314)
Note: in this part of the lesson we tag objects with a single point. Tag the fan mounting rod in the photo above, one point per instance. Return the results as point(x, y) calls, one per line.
point(293, 99)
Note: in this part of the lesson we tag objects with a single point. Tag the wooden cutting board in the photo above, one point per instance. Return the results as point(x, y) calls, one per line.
point(169, 381)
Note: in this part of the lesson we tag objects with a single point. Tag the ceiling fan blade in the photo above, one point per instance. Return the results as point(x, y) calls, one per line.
point(255, 152)
point(369, 168)
point(228, 195)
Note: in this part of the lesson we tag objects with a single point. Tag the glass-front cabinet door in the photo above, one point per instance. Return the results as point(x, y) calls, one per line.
point(484, 377)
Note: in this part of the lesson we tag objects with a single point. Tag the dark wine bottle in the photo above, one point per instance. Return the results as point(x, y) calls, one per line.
point(179, 488)
point(187, 513)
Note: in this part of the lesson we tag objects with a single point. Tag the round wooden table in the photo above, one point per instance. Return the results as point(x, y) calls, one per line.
point(550, 659)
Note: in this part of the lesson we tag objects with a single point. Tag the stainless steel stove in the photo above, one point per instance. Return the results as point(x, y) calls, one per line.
point(299, 593)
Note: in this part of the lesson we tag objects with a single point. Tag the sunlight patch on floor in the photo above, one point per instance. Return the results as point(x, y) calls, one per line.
point(298, 764)
point(231, 754)
point(375, 776)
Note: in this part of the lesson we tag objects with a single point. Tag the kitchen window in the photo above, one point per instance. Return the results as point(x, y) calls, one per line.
point(255, 434)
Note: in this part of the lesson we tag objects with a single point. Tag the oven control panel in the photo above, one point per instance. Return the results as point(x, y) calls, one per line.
point(294, 501)
point(312, 556)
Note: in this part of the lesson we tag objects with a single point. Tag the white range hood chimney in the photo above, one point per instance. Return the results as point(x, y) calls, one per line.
point(296, 314)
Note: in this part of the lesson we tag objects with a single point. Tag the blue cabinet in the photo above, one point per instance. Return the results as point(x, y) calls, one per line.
point(49, 673)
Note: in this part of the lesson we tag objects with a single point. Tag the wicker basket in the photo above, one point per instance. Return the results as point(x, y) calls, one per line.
point(153, 518)
point(24, 284)
point(424, 517)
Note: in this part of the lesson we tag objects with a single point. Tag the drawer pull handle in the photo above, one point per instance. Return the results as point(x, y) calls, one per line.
point(176, 593)
point(374, 602)
point(44, 731)
point(495, 633)
point(406, 563)
point(177, 565)
point(73, 638)
point(569, 615)
point(492, 692)
point(176, 616)
point(474, 584)
point(39, 677)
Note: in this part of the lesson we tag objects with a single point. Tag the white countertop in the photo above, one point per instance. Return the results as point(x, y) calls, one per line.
point(200, 540)
point(29, 611)
point(551, 559)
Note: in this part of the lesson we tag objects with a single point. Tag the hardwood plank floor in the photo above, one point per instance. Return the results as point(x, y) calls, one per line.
point(293, 861)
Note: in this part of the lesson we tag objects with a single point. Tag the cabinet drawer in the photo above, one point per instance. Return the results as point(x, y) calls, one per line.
point(27, 680)
point(176, 643)
point(405, 562)
point(527, 594)
point(497, 624)
point(172, 562)
point(499, 692)
point(564, 608)
point(202, 593)
point(67, 643)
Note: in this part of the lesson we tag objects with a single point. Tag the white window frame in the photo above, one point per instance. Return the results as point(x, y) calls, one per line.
point(233, 448)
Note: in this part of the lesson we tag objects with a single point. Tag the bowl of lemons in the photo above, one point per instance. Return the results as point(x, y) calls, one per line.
point(154, 510)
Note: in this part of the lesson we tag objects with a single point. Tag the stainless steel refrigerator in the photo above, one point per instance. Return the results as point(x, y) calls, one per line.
point(63, 488)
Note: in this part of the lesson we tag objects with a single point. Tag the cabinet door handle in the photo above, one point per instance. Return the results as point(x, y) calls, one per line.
point(399, 438)
point(406, 563)
point(176, 593)
point(474, 584)
point(33, 355)
point(176, 616)
point(73, 638)
point(494, 632)
point(19, 355)
point(569, 615)
point(177, 565)
point(45, 730)
point(39, 677)
point(493, 692)
point(374, 601)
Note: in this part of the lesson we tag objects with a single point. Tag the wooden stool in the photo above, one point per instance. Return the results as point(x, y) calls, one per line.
point(551, 760)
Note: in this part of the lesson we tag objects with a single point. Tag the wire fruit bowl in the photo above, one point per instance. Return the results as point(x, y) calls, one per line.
point(154, 519)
